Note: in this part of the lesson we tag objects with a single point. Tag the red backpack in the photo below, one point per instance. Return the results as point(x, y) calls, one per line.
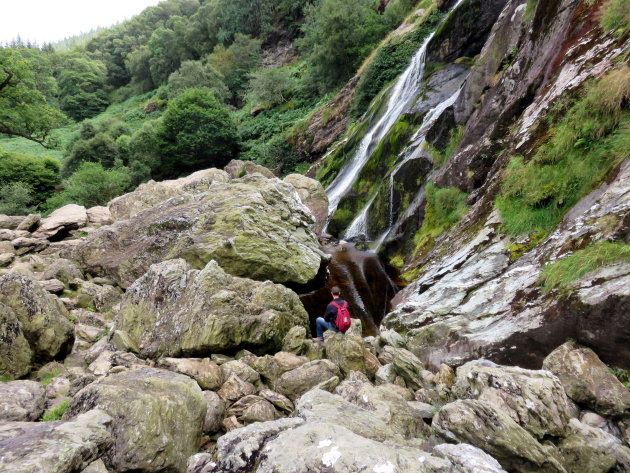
point(343, 320)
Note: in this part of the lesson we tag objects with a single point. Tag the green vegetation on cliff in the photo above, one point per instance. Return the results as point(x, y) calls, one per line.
point(584, 144)
point(560, 274)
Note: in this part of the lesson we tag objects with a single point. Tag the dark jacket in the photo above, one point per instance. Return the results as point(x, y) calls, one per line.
point(331, 310)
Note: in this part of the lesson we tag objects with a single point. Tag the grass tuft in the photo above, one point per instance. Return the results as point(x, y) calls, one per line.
point(583, 146)
point(55, 413)
point(560, 274)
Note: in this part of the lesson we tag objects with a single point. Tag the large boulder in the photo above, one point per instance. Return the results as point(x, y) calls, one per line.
point(54, 447)
point(59, 223)
point(296, 382)
point(158, 418)
point(318, 446)
point(253, 227)
point(346, 351)
point(174, 310)
point(151, 193)
point(385, 403)
point(533, 399)
point(21, 401)
point(62, 269)
point(15, 352)
point(238, 450)
point(587, 380)
point(467, 458)
point(237, 168)
point(313, 195)
point(203, 370)
point(42, 316)
point(483, 425)
point(318, 405)
point(591, 450)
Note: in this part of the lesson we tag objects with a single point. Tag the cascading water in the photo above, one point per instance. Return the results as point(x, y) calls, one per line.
point(418, 141)
point(401, 96)
point(366, 282)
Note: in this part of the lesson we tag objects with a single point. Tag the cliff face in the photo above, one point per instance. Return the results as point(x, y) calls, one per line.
point(477, 288)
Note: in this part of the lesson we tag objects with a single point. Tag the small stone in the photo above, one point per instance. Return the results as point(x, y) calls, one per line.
point(54, 286)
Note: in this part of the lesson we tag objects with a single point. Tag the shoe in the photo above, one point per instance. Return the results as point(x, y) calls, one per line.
point(317, 340)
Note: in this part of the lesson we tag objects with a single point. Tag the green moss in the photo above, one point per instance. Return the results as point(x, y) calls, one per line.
point(442, 156)
point(560, 274)
point(519, 249)
point(585, 143)
point(444, 208)
point(47, 378)
point(55, 413)
point(5, 379)
point(529, 9)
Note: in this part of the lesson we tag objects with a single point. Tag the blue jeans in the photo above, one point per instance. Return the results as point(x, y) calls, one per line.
point(321, 326)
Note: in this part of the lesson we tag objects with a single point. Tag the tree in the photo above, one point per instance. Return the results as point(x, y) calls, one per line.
point(26, 84)
point(101, 149)
point(197, 132)
point(235, 62)
point(81, 86)
point(338, 35)
point(92, 185)
point(196, 75)
point(166, 54)
point(250, 17)
point(271, 87)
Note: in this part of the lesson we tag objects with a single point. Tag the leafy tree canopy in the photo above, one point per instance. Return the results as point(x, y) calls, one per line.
point(197, 132)
point(26, 84)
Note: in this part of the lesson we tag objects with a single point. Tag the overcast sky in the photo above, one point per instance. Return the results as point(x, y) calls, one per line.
point(52, 20)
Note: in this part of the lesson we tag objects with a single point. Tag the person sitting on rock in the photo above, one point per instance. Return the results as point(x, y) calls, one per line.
point(327, 322)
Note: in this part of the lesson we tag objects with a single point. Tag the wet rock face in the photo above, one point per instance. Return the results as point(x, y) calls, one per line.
point(174, 310)
point(466, 30)
point(472, 301)
point(254, 227)
point(157, 418)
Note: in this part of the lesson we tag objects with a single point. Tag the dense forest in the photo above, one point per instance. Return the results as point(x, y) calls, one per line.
point(185, 85)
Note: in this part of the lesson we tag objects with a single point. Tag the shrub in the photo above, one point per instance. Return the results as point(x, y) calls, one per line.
point(92, 185)
point(16, 198)
point(591, 138)
point(41, 175)
point(197, 132)
point(561, 273)
point(57, 412)
point(271, 87)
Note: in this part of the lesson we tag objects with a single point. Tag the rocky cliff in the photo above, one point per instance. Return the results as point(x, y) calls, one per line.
point(166, 333)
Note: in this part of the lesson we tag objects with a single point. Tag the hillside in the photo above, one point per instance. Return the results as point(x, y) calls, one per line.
point(458, 170)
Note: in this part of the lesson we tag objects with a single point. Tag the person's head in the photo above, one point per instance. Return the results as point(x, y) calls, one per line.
point(336, 292)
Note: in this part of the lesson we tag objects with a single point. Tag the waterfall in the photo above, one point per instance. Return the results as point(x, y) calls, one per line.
point(401, 96)
point(403, 92)
point(418, 141)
